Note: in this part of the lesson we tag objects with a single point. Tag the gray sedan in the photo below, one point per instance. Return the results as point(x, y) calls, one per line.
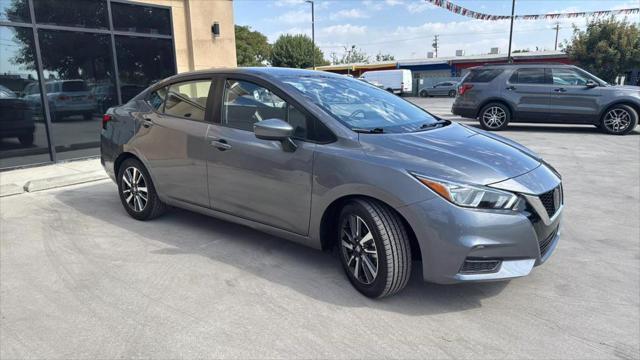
point(446, 88)
point(333, 163)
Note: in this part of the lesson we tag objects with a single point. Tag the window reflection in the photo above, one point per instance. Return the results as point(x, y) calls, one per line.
point(142, 62)
point(23, 137)
point(81, 13)
point(141, 19)
point(14, 10)
point(79, 82)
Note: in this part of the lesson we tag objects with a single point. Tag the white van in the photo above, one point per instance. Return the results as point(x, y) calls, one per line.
point(397, 81)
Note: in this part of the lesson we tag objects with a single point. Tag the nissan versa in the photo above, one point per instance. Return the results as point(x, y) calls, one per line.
point(333, 162)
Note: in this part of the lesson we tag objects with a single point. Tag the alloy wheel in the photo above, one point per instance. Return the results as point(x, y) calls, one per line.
point(494, 117)
point(617, 120)
point(134, 189)
point(359, 249)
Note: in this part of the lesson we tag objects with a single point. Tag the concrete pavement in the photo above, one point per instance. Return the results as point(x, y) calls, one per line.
point(81, 279)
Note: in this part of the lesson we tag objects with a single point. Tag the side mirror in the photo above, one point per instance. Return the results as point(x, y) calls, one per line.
point(591, 84)
point(275, 129)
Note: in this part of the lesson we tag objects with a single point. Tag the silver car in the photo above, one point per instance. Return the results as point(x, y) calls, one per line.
point(445, 88)
point(332, 162)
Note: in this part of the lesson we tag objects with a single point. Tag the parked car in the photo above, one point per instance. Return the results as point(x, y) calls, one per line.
point(446, 88)
point(16, 117)
point(66, 98)
point(328, 161)
point(545, 93)
point(395, 81)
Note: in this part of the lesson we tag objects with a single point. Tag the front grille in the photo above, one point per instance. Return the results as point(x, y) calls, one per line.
point(546, 243)
point(479, 266)
point(552, 200)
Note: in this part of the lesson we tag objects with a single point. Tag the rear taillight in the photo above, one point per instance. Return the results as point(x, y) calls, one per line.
point(105, 119)
point(64, 98)
point(464, 88)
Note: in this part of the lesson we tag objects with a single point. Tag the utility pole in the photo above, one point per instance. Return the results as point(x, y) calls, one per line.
point(557, 29)
point(435, 44)
point(513, 9)
point(313, 34)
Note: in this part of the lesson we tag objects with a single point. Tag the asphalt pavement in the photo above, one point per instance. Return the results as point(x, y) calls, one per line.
point(79, 278)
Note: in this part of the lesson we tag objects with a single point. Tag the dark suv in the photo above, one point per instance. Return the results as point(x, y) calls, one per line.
point(545, 93)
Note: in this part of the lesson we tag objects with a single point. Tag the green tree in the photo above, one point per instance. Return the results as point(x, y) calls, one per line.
point(606, 48)
point(295, 51)
point(252, 48)
point(350, 55)
point(384, 57)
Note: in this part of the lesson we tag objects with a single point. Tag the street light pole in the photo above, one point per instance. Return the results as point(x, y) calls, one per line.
point(513, 9)
point(313, 34)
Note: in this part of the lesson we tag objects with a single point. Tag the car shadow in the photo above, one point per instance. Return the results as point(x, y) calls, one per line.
point(310, 272)
point(575, 129)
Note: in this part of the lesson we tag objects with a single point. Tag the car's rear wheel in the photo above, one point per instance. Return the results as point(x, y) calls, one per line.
point(452, 93)
point(374, 248)
point(137, 193)
point(619, 120)
point(495, 116)
point(423, 93)
point(26, 139)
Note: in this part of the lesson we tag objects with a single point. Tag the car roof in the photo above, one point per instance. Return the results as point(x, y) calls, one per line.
point(522, 65)
point(273, 72)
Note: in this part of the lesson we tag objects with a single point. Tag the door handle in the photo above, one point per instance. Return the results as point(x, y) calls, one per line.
point(221, 144)
point(560, 90)
point(147, 123)
point(511, 87)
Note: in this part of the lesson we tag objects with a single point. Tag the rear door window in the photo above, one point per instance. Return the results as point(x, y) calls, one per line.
point(188, 99)
point(483, 75)
point(528, 76)
point(568, 77)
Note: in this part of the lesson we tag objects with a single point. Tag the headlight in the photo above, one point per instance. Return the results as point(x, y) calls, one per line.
point(473, 196)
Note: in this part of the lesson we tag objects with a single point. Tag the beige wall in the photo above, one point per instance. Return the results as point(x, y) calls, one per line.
point(196, 47)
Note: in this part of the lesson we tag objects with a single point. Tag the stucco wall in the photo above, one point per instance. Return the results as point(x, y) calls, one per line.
point(196, 47)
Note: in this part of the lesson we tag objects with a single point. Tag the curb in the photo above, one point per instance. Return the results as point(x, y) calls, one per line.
point(10, 189)
point(60, 181)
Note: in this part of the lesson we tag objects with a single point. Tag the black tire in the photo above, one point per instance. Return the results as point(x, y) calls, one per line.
point(390, 90)
point(629, 114)
point(153, 207)
point(392, 248)
point(452, 93)
point(423, 93)
point(26, 139)
point(502, 116)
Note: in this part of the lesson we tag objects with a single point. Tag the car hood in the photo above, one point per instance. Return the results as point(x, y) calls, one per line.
point(454, 152)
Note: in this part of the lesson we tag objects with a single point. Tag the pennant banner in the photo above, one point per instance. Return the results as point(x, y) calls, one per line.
point(456, 9)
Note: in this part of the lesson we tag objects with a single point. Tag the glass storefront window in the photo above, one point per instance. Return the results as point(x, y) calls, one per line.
point(23, 135)
point(142, 62)
point(79, 81)
point(80, 13)
point(15, 10)
point(141, 19)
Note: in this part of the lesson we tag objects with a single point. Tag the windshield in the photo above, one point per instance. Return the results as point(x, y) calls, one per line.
point(361, 106)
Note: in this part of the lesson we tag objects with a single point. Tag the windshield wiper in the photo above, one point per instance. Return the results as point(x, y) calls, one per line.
point(432, 125)
point(369, 131)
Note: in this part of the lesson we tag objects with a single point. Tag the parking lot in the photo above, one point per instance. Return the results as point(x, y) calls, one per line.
point(80, 278)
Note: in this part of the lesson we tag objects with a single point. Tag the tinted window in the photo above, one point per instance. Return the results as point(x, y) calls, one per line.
point(483, 75)
point(528, 76)
point(76, 63)
point(141, 19)
point(23, 137)
point(359, 105)
point(246, 103)
point(568, 77)
point(156, 99)
point(142, 62)
point(81, 13)
point(14, 10)
point(188, 99)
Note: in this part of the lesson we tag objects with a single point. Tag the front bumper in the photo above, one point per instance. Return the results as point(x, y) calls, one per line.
point(450, 236)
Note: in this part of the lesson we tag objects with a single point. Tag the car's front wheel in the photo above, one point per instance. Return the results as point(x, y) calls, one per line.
point(423, 93)
point(137, 193)
point(452, 93)
point(374, 248)
point(494, 116)
point(619, 120)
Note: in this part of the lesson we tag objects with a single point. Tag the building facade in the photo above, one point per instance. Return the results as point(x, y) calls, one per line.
point(64, 62)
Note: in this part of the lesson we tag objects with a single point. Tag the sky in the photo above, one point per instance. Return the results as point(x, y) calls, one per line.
point(405, 28)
